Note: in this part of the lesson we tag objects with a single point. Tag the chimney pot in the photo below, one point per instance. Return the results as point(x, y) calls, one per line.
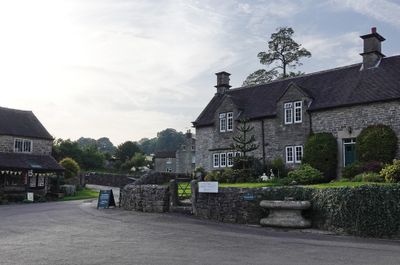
point(373, 30)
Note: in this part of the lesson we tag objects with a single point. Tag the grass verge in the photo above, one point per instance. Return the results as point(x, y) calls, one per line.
point(85, 193)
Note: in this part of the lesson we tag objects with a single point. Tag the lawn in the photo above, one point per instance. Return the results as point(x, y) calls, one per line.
point(335, 184)
point(85, 193)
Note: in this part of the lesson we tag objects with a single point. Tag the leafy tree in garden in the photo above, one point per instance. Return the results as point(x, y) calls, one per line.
point(148, 146)
point(138, 160)
point(84, 142)
point(127, 150)
point(71, 167)
point(283, 53)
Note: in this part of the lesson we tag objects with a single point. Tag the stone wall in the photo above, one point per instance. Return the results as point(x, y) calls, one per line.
point(145, 198)
point(106, 179)
point(185, 155)
point(39, 146)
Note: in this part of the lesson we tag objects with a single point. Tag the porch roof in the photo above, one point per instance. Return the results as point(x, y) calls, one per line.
point(19, 161)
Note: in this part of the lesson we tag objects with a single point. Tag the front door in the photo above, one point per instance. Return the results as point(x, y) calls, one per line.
point(349, 151)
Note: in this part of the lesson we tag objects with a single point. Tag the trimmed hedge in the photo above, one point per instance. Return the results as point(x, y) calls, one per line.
point(370, 210)
point(320, 151)
point(376, 143)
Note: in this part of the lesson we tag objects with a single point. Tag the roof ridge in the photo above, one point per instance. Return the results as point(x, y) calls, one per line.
point(305, 75)
point(15, 110)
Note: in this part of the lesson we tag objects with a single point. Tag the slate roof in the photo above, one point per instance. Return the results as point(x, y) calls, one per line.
point(165, 154)
point(20, 161)
point(21, 123)
point(344, 86)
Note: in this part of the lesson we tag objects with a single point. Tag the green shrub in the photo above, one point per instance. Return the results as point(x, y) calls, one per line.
point(391, 172)
point(369, 177)
point(212, 176)
point(376, 143)
point(320, 151)
point(278, 167)
point(306, 174)
point(350, 171)
point(71, 167)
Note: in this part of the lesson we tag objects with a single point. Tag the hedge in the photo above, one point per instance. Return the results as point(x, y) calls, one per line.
point(370, 210)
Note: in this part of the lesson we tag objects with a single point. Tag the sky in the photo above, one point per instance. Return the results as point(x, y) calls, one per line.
point(129, 69)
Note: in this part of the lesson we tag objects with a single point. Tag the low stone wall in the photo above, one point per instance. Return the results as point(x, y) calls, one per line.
point(228, 205)
point(145, 198)
point(106, 179)
point(158, 178)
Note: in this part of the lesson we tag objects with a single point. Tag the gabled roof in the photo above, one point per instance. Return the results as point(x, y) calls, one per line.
point(21, 123)
point(333, 88)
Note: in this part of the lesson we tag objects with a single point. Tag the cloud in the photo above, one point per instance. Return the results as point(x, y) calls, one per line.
point(383, 10)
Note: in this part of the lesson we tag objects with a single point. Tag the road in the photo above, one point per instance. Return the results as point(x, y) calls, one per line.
point(77, 233)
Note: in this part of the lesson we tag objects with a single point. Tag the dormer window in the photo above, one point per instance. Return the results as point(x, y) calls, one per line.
point(293, 112)
point(22, 146)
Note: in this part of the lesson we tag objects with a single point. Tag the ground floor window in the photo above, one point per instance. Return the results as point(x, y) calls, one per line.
point(224, 159)
point(294, 154)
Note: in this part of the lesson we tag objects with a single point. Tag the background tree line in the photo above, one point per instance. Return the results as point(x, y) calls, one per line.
point(101, 154)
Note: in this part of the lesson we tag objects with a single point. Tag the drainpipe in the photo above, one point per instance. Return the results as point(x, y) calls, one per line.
point(263, 141)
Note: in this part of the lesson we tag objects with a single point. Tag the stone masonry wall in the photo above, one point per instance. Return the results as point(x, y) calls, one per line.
point(106, 179)
point(39, 146)
point(145, 198)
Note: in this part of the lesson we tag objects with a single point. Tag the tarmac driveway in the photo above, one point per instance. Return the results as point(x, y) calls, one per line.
point(77, 233)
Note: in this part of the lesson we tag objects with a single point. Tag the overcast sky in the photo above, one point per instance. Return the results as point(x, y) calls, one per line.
point(128, 69)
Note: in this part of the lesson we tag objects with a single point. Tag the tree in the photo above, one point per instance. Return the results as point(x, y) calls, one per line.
point(84, 142)
point(169, 140)
point(105, 145)
point(67, 148)
point(71, 167)
point(127, 150)
point(243, 141)
point(92, 158)
point(148, 146)
point(283, 53)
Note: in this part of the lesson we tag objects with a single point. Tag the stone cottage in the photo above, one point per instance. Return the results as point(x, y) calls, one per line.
point(180, 161)
point(341, 101)
point(25, 153)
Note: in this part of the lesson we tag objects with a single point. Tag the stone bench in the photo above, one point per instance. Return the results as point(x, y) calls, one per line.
point(285, 214)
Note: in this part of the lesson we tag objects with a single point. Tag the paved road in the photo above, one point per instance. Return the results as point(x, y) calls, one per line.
point(77, 233)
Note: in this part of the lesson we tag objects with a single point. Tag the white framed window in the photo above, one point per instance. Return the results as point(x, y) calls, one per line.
point(229, 159)
point(184, 147)
point(229, 117)
point(289, 154)
point(288, 111)
point(298, 153)
point(238, 154)
point(298, 114)
point(222, 122)
point(222, 162)
point(22, 145)
point(193, 148)
point(169, 170)
point(215, 160)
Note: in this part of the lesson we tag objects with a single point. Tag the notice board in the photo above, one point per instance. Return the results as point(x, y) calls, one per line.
point(106, 199)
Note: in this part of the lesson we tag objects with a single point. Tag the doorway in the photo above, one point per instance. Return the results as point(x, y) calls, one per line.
point(349, 151)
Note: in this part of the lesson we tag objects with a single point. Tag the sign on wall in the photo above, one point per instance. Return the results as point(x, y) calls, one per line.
point(29, 196)
point(208, 186)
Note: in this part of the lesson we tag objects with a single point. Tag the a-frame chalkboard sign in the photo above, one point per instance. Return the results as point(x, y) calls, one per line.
point(106, 199)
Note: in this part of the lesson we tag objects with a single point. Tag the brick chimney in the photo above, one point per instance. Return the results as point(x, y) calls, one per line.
point(372, 54)
point(222, 82)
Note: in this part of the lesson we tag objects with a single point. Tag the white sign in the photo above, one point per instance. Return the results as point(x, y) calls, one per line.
point(29, 196)
point(208, 186)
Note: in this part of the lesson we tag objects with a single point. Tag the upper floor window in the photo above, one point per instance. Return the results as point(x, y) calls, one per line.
point(22, 146)
point(222, 122)
point(298, 117)
point(229, 116)
point(293, 112)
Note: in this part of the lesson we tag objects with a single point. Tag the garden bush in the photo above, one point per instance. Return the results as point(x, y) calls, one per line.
point(376, 143)
point(71, 167)
point(369, 177)
point(351, 171)
point(391, 172)
point(320, 151)
point(305, 174)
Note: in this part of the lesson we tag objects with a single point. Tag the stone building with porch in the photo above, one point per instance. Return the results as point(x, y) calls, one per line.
point(26, 163)
point(342, 101)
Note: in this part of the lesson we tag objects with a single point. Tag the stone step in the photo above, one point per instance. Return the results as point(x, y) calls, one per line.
point(181, 209)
